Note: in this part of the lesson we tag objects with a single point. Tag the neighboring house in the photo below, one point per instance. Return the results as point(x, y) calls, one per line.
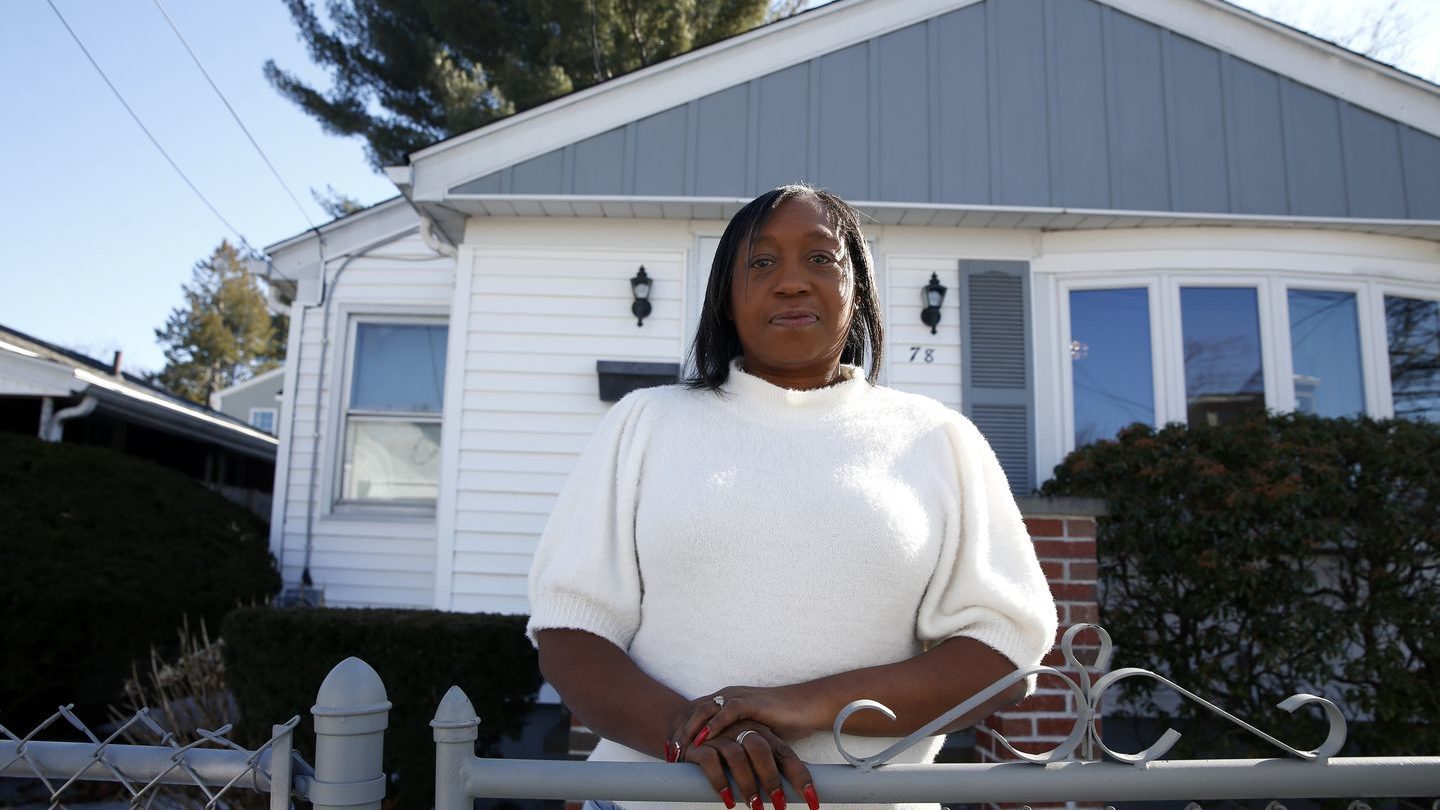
point(256, 401)
point(61, 395)
point(1150, 211)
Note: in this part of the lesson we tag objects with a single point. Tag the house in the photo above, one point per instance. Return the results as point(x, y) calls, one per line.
point(256, 401)
point(1159, 211)
point(61, 395)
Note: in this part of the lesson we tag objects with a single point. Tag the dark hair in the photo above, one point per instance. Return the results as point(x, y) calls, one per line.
point(716, 340)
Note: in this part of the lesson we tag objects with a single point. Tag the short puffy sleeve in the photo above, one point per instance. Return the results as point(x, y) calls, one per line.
point(988, 584)
point(585, 574)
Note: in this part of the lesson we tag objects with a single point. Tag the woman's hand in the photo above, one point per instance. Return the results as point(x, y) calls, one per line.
point(756, 758)
point(783, 710)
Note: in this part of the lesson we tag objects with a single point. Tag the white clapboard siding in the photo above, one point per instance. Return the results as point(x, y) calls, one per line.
point(909, 343)
point(360, 560)
point(545, 303)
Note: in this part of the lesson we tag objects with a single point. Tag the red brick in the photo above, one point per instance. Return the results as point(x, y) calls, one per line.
point(1057, 727)
point(1044, 528)
point(1053, 659)
point(1073, 592)
point(1054, 570)
point(1065, 549)
point(1013, 726)
point(1079, 528)
point(1042, 703)
point(1083, 614)
point(1080, 570)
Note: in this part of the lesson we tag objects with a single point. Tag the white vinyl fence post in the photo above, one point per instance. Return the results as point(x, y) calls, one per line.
point(456, 729)
point(351, 714)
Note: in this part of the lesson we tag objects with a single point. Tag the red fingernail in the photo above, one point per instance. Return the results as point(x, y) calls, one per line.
point(727, 797)
point(811, 798)
point(777, 799)
point(672, 751)
point(755, 803)
point(702, 736)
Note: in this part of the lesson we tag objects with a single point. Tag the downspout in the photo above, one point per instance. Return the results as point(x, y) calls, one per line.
point(325, 297)
point(53, 430)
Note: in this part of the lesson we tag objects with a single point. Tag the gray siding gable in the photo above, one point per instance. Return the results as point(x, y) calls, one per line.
point(1052, 103)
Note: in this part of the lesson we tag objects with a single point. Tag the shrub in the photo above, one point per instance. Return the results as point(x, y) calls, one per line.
point(102, 556)
point(275, 661)
point(1287, 553)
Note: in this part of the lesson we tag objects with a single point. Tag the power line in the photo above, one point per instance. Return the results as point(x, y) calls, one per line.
point(243, 241)
point(233, 114)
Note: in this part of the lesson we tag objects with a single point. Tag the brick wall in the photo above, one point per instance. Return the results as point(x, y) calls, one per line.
point(1065, 545)
point(1066, 548)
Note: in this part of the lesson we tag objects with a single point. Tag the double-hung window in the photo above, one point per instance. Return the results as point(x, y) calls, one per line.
point(395, 396)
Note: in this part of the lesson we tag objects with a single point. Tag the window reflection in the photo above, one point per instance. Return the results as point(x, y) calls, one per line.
point(1224, 381)
point(399, 367)
point(1110, 361)
point(1414, 337)
point(1325, 347)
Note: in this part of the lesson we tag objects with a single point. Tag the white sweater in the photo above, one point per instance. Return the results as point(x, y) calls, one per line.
point(764, 537)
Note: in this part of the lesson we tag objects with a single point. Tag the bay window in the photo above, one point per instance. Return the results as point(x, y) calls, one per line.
point(1158, 347)
point(1224, 375)
point(1412, 327)
point(1110, 359)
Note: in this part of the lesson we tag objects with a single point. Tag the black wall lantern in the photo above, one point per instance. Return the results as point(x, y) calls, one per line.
point(934, 295)
point(640, 288)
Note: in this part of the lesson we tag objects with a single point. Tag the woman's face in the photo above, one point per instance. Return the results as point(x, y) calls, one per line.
point(792, 297)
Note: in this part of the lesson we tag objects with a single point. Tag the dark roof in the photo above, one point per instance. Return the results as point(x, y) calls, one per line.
point(60, 354)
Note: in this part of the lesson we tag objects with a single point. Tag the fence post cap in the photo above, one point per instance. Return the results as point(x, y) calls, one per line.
point(455, 719)
point(351, 683)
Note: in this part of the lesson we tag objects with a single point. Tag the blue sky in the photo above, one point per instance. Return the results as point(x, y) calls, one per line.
point(100, 232)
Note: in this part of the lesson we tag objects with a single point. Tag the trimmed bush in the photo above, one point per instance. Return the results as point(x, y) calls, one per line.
point(1289, 553)
point(101, 556)
point(275, 661)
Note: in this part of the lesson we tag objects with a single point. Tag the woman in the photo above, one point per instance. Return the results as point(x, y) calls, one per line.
point(735, 559)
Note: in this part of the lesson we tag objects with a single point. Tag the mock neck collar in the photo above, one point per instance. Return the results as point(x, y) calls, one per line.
point(768, 401)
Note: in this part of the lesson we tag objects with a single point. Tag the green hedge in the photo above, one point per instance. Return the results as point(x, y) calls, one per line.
point(101, 555)
point(1288, 553)
point(275, 661)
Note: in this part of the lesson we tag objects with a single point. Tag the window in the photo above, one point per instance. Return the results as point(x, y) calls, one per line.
point(392, 416)
point(1413, 332)
point(1111, 367)
point(1325, 353)
point(263, 419)
point(1224, 381)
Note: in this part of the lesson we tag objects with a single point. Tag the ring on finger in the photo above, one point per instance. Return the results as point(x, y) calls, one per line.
point(719, 700)
point(740, 738)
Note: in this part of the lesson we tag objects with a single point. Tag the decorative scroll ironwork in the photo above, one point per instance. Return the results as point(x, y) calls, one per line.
point(142, 781)
point(1088, 692)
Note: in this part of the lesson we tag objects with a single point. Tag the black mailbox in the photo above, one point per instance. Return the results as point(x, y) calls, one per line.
point(620, 377)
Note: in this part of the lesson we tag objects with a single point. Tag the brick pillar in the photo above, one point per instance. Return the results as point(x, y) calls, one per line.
point(1063, 531)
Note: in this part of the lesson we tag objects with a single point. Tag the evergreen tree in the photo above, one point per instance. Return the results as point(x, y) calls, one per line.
point(223, 334)
point(408, 73)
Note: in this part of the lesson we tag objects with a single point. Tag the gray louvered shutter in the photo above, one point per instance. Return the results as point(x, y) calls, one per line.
point(995, 308)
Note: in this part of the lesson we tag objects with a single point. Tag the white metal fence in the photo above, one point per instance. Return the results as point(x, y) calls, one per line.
point(351, 714)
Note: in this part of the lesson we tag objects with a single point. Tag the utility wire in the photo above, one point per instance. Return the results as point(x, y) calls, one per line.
point(243, 241)
point(233, 114)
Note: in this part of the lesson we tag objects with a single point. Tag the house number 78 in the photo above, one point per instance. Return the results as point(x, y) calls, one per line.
point(916, 355)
